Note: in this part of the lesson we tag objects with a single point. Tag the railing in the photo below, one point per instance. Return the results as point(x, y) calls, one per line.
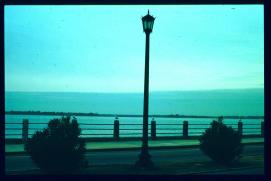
point(184, 129)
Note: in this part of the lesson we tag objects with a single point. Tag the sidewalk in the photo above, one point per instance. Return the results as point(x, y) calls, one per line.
point(131, 145)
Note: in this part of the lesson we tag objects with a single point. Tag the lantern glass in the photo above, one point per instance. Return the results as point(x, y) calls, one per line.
point(148, 22)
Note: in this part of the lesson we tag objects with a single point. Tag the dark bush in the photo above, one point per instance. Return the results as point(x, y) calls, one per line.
point(221, 143)
point(58, 148)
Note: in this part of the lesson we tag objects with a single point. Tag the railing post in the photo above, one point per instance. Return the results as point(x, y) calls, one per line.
point(262, 128)
point(25, 130)
point(185, 129)
point(240, 127)
point(153, 129)
point(116, 129)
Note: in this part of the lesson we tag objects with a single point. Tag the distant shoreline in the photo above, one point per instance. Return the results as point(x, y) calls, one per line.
point(140, 92)
point(122, 115)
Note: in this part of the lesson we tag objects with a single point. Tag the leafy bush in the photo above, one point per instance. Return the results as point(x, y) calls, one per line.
point(58, 148)
point(221, 143)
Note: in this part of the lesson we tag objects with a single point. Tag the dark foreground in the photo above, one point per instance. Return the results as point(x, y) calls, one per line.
point(168, 161)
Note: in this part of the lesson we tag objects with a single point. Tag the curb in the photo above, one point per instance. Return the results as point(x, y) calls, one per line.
point(133, 148)
point(160, 147)
point(221, 170)
point(20, 172)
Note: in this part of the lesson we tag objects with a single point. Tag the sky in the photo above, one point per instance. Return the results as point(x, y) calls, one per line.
point(102, 48)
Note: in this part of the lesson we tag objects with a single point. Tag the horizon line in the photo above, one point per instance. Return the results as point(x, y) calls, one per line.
point(126, 92)
point(123, 115)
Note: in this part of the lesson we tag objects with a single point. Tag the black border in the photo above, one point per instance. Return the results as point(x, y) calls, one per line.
point(131, 2)
point(267, 66)
point(267, 89)
point(2, 91)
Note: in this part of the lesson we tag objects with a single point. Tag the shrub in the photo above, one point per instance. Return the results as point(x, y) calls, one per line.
point(58, 148)
point(221, 143)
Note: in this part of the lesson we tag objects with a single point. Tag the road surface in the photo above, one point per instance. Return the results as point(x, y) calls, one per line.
point(24, 162)
point(243, 171)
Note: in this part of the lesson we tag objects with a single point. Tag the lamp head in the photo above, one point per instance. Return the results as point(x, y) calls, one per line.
point(148, 22)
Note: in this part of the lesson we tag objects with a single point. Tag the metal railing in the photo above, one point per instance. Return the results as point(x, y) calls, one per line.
point(115, 130)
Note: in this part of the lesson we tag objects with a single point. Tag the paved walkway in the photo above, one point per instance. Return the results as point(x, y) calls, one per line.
point(129, 145)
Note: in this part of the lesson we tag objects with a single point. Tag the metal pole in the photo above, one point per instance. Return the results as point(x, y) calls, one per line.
point(185, 129)
point(25, 129)
point(146, 96)
point(144, 157)
point(240, 127)
point(116, 129)
point(262, 128)
point(153, 129)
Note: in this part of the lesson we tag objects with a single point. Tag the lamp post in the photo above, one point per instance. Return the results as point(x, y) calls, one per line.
point(144, 157)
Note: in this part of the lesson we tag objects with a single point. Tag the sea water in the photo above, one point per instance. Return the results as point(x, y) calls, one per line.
point(246, 102)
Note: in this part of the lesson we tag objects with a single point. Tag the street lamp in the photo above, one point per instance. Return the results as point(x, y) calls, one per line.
point(145, 157)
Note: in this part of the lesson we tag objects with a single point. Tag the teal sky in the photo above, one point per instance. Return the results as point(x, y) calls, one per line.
point(102, 48)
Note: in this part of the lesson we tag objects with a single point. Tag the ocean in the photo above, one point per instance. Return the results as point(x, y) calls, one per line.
point(214, 103)
point(246, 102)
